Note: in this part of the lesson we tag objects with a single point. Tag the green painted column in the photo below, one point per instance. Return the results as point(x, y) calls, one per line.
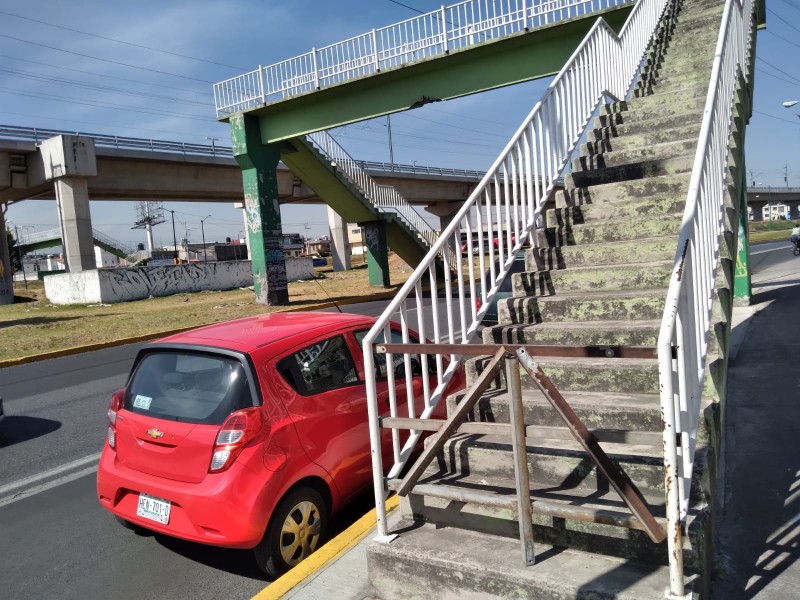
point(742, 289)
point(377, 253)
point(259, 163)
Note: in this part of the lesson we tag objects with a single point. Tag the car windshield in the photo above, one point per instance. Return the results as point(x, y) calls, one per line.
point(192, 387)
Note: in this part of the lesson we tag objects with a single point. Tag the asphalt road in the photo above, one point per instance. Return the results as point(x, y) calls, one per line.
point(56, 540)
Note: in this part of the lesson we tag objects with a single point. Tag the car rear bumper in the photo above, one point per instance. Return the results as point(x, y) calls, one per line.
point(225, 509)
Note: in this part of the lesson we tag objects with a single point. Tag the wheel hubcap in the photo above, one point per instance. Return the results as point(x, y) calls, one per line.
point(300, 532)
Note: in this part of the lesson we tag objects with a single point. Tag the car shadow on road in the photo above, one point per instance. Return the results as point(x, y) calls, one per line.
point(36, 321)
point(15, 429)
point(241, 562)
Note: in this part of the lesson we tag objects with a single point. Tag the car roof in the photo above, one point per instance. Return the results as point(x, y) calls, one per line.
point(249, 333)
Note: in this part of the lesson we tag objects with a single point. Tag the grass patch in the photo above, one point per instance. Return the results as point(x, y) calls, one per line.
point(32, 325)
point(770, 236)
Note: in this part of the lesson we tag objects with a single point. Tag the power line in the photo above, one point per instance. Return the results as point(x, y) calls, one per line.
point(96, 104)
point(108, 60)
point(780, 18)
point(777, 118)
point(102, 37)
point(59, 67)
point(778, 78)
point(776, 68)
point(407, 6)
point(105, 88)
point(116, 125)
point(782, 38)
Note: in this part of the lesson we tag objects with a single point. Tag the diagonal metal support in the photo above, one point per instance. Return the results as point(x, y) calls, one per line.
point(618, 479)
point(451, 425)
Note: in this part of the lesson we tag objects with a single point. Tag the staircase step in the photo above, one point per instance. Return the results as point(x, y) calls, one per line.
point(608, 230)
point(618, 128)
point(635, 208)
point(446, 563)
point(597, 410)
point(614, 306)
point(577, 333)
point(629, 376)
point(609, 143)
point(670, 155)
point(623, 190)
point(655, 104)
point(617, 277)
point(629, 170)
point(611, 253)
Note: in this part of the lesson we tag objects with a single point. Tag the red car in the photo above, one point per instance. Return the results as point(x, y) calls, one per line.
point(249, 434)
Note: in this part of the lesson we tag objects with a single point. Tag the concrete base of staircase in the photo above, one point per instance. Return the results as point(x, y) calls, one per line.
point(446, 563)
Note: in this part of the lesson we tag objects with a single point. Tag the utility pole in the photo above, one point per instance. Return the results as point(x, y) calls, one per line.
point(175, 258)
point(19, 254)
point(203, 231)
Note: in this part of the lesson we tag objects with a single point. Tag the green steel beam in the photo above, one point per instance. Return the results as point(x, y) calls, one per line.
point(490, 65)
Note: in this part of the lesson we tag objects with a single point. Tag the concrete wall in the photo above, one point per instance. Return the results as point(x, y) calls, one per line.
point(137, 283)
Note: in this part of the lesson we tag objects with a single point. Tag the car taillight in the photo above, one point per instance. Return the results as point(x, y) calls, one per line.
point(237, 430)
point(113, 408)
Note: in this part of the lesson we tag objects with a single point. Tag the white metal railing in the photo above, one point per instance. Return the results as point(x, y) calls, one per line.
point(54, 235)
point(498, 219)
point(686, 325)
point(422, 37)
point(385, 198)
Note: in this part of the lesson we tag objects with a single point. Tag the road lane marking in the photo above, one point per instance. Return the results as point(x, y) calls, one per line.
point(35, 484)
point(771, 250)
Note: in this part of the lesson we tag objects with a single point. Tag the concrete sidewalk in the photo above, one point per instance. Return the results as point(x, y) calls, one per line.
point(761, 515)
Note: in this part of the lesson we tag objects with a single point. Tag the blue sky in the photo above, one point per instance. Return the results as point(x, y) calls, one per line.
point(146, 69)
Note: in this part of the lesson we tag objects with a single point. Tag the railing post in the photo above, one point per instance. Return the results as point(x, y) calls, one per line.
point(444, 30)
point(261, 84)
point(375, 59)
point(316, 68)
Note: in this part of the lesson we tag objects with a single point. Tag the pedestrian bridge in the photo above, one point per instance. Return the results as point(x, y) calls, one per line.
point(460, 49)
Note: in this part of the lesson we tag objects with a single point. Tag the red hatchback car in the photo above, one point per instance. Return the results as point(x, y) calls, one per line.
point(248, 434)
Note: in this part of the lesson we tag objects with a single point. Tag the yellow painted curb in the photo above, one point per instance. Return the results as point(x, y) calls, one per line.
point(327, 554)
point(11, 362)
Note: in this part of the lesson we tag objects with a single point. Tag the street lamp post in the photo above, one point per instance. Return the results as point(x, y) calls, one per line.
point(203, 231)
point(213, 147)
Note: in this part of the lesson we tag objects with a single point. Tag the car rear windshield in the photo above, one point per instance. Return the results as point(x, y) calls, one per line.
point(192, 387)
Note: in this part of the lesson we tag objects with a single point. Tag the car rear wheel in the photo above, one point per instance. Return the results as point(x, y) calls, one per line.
point(293, 533)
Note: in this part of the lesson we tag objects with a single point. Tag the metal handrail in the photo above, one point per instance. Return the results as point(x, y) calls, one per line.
point(55, 234)
point(422, 37)
point(499, 218)
point(384, 198)
point(685, 328)
point(38, 135)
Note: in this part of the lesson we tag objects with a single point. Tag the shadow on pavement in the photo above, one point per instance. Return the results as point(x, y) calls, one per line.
point(760, 524)
point(241, 562)
point(16, 429)
point(36, 321)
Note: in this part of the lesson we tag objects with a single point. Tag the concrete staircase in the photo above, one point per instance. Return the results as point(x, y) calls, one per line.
point(598, 277)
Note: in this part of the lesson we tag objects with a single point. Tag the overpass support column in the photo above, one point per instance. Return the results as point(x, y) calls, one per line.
point(72, 199)
point(446, 211)
point(259, 162)
point(6, 281)
point(68, 161)
point(377, 253)
point(340, 242)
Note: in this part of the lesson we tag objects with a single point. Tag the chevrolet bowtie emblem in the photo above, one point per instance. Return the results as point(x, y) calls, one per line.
point(154, 433)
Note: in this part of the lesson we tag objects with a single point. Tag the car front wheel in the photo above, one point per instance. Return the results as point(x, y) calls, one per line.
point(293, 533)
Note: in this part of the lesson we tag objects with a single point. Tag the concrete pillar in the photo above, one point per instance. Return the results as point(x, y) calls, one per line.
point(72, 199)
point(68, 160)
point(259, 162)
point(446, 211)
point(340, 242)
point(377, 253)
point(6, 281)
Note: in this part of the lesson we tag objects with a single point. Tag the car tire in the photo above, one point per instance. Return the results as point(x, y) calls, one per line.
point(295, 530)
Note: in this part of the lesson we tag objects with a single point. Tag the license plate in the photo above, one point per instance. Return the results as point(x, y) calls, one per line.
point(155, 509)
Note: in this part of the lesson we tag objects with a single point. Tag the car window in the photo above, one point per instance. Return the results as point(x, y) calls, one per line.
point(323, 366)
point(398, 360)
point(188, 386)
